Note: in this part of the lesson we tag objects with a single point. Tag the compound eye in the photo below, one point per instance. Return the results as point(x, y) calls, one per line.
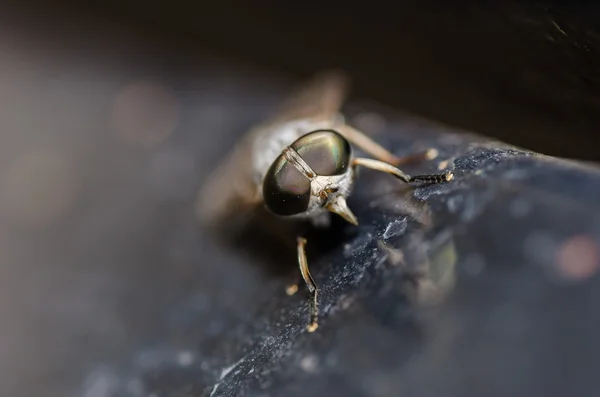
point(285, 190)
point(325, 151)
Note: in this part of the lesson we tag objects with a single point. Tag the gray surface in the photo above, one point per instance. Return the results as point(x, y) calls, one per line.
point(109, 287)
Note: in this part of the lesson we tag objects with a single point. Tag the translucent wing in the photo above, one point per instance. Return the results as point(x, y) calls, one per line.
point(233, 189)
point(319, 99)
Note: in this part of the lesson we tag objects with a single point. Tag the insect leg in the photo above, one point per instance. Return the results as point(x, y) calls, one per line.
point(390, 169)
point(379, 152)
point(310, 283)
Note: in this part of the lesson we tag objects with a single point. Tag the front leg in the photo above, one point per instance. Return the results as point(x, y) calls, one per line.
point(310, 283)
point(398, 173)
point(318, 221)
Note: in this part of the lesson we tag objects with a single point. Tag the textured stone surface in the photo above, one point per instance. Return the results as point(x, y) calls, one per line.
point(476, 296)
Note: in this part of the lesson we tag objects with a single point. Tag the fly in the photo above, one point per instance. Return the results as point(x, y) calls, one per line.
point(300, 166)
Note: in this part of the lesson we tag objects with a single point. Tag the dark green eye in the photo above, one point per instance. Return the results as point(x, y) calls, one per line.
point(325, 151)
point(285, 190)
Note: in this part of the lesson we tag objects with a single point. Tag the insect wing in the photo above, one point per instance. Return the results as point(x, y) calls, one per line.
point(230, 189)
point(321, 98)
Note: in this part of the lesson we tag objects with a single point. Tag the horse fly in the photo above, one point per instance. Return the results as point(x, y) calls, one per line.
point(300, 166)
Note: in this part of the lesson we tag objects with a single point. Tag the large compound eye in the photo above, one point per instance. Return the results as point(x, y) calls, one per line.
point(325, 151)
point(285, 190)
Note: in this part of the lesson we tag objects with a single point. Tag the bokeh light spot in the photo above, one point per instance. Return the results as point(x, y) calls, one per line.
point(578, 258)
point(146, 112)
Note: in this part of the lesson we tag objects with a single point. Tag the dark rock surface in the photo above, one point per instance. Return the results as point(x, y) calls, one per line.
point(473, 287)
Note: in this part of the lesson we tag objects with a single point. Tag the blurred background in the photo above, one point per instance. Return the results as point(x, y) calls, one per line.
point(112, 113)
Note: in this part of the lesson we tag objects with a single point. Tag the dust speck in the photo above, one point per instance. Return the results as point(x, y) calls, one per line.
point(432, 154)
point(100, 383)
point(454, 203)
point(395, 228)
point(309, 364)
point(185, 358)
